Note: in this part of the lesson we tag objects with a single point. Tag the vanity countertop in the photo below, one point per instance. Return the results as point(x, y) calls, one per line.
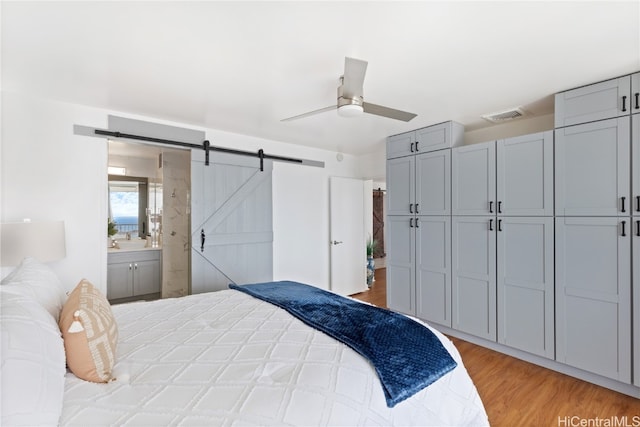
point(131, 246)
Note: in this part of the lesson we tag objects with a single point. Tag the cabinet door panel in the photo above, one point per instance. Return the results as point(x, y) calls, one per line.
point(526, 284)
point(146, 277)
point(598, 101)
point(400, 185)
point(635, 164)
point(635, 93)
point(473, 179)
point(401, 264)
point(593, 310)
point(433, 269)
point(433, 183)
point(525, 175)
point(119, 280)
point(636, 300)
point(434, 137)
point(401, 145)
point(592, 169)
point(474, 276)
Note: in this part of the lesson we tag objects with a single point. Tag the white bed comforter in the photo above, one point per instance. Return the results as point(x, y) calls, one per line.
point(226, 358)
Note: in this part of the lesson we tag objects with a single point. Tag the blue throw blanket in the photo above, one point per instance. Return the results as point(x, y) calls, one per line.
point(406, 355)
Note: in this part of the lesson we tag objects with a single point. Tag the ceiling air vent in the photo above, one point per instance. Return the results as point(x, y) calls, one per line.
point(504, 116)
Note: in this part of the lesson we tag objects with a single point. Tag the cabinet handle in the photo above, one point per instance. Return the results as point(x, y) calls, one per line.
point(417, 222)
point(624, 233)
point(623, 208)
point(135, 266)
point(202, 236)
point(638, 228)
point(130, 266)
point(624, 104)
point(410, 222)
point(637, 203)
point(412, 147)
point(491, 225)
point(417, 204)
point(410, 207)
point(499, 207)
point(417, 149)
point(499, 225)
point(491, 207)
point(637, 100)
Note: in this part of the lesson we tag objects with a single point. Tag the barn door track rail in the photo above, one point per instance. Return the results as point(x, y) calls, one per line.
point(206, 146)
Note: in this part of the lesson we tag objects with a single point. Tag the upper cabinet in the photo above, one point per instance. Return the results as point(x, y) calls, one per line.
point(512, 176)
point(592, 169)
point(600, 101)
point(436, 137)
point(524, 175)
point(473, 182)
point(635, 93)
point(401, 145)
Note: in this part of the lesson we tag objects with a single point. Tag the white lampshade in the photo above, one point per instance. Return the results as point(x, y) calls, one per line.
point(43, 241)
point(350, 110)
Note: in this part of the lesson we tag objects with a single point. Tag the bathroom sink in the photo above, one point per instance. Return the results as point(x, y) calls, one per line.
point(131, 245)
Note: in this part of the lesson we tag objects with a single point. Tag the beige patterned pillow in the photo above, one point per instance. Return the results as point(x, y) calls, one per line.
point(90, 333)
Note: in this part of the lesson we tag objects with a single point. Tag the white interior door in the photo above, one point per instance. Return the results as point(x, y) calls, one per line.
point(347, 235)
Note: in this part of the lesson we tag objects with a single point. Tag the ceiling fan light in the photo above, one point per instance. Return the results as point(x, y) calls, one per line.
point(350, 110)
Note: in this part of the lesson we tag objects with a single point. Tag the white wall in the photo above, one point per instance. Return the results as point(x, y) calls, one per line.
point(510, 129)
point(48, 173)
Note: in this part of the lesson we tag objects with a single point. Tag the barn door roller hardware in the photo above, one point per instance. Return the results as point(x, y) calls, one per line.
point(207, 147)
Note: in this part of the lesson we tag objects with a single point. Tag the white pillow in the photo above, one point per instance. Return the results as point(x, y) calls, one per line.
point(33, 363)
point(34, 279)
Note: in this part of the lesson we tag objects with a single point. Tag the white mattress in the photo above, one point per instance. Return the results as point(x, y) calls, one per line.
point(226, 358)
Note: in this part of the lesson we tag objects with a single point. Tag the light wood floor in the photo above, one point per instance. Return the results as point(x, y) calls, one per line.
point(518, 393)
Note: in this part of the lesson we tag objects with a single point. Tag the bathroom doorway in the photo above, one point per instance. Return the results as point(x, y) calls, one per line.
point(149, 206)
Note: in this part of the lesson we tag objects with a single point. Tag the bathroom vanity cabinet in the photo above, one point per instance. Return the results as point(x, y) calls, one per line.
point(134, 275)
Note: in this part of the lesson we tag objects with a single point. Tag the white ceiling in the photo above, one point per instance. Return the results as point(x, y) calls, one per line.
point(244, 66)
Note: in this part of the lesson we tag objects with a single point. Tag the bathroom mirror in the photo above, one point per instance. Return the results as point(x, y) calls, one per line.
point(128, 205)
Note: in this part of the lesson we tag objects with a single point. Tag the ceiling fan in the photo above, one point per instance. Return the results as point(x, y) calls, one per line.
point(350, 96)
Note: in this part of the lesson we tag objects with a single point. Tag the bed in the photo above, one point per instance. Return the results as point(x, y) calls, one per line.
point(220, 358)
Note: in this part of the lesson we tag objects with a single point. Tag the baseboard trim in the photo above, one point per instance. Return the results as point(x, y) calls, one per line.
point(620, 387)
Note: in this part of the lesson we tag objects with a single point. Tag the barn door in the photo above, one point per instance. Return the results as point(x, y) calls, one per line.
point(231, 221)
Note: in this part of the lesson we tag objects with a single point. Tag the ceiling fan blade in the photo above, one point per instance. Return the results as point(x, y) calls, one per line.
point(353, 79)
point(310, 113)
point(391, 113)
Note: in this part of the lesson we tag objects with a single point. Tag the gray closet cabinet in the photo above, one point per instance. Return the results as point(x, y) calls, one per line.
point(473, 179)
point(524, 175)
point(473, 280)
point(502, 280)
point(512, 176)
point(436, 137)
point(419, 222)
point(502, 244)
point(597, 203)
point(420, 185)
point(635, 187)
point(599, 101)
point(593, 318)
point(433, 269)
point(418, 249)
point(401, 193)
point(401, 271)
point(525, 284)
point(419, 266)
point(592, 169)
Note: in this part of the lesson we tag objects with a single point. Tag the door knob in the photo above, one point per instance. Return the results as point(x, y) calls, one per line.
point(335, 242)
